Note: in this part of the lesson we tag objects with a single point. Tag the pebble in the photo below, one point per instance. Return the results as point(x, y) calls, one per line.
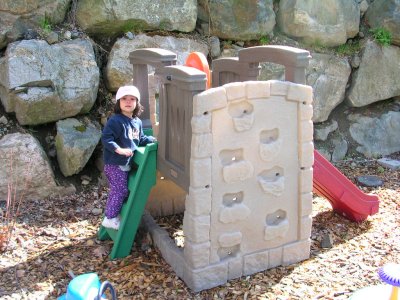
point(52, 38)
point(370, 181)
point(20, 273)
point(326, 241)
point(130, 35)
point(30, 34)
point(74, 34)
point(240, 43)
point(86, 177)
point(389, 163)
point(3, 120)
point(67, 35)
point(97, 211)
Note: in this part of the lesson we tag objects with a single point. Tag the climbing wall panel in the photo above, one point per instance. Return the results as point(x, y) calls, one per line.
point(249, 202)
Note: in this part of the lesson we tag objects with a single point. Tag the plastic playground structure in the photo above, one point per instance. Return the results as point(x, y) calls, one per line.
point(243, 152)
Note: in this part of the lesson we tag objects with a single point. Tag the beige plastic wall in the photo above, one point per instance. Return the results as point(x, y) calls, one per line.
point(249, 203)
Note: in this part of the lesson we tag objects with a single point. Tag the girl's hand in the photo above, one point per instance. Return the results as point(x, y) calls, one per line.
point(124, 151)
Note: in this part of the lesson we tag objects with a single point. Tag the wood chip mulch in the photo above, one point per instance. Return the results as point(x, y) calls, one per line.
point(57, 236)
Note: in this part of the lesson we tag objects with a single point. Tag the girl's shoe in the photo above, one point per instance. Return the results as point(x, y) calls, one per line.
point(112, 223)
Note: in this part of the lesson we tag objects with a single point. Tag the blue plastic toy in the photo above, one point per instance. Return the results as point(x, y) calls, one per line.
point(87, 287)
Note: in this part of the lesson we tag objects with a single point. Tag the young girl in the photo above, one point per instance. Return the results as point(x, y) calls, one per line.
point(121, 136)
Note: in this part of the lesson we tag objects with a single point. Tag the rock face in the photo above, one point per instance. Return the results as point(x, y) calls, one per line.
point(377, 77)
point(386, 14)
point(119, 68)
point(328, 23)
point(31, 172)
point(75, 142)
point(230, 19)
point(377, 136)
point(114, 17)
point(328, 75)
point(43, 83)
point(16, 17)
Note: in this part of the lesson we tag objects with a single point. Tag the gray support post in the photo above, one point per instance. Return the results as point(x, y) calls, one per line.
point(295, 60)
point(140, 59)
point(179, 85)
point(140, 80)
point(230, 69)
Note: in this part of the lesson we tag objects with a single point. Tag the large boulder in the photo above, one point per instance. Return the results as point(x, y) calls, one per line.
point(25, 166)
point(75, 143)
point(43, 83)
point(376, 136)
point(377, 77)
point(385, 14)
point(325, 23)
point(110, 18)
point(328, 75)
point(119, 69)
point(16, 17)
point(231, 19)
point(371, 131)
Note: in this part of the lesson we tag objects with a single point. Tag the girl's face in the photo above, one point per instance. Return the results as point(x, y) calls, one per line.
point(128, 105)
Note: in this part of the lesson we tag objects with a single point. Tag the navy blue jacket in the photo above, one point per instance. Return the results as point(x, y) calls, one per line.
point(123, 132)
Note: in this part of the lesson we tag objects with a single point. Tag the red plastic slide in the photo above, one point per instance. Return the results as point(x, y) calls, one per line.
point(344, 196)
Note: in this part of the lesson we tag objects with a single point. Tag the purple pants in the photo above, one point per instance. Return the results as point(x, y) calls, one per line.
point(118, 182)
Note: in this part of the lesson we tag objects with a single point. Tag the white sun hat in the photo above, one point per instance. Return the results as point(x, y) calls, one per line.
point(128, 90)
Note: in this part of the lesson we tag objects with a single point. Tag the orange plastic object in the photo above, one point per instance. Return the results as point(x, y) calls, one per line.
point(199, 61)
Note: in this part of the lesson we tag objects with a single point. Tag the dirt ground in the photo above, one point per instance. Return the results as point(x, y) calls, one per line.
point(57, 236)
